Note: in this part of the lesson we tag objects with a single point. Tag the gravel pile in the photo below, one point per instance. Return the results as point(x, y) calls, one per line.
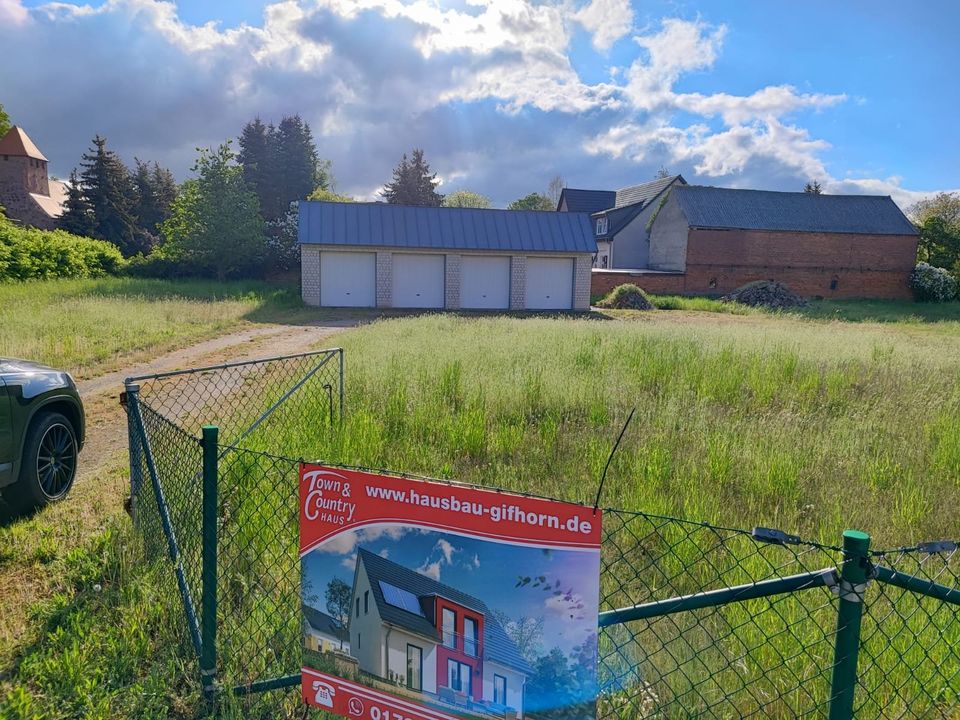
point(626, 297)
point(765, 293)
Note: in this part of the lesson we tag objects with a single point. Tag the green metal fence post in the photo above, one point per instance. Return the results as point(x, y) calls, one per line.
point(208, 630)
point(132, 393)
point(853, 585)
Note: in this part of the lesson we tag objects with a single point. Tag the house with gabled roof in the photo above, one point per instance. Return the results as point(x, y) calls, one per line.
point(323, 633)
point(411, 630)
point(27, 194)
point(620, 219)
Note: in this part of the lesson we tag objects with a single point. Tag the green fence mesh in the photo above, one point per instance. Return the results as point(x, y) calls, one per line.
point(769, 657)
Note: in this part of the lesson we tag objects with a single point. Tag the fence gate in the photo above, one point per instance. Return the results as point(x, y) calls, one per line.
point(696, 620)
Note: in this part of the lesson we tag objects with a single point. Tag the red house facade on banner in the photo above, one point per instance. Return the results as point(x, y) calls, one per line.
point(408, 630)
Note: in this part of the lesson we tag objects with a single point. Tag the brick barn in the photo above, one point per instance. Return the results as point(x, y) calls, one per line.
point(710, 241)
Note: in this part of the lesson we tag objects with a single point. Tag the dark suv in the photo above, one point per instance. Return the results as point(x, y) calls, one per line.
point(41, 433)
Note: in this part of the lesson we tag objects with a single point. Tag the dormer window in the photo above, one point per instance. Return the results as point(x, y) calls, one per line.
point(602, 225)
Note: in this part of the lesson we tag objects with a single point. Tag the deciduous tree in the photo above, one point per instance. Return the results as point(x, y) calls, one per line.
point(533, 201)
point(328, 196)
point(466, 199)
point(215, 222)
point(5, 123)
point(938, 219)
point(554, 189)
point(337, 596)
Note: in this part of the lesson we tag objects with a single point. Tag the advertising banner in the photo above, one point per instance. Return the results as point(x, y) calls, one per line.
point(425, 600)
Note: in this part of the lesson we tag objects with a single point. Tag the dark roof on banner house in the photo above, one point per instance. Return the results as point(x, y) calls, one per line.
point(439, 228)
point(497, 646)
point(588, 201)
point(724, 208)
point(321, 622)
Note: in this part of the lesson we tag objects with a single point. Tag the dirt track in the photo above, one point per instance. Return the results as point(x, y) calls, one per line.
point(106, 423)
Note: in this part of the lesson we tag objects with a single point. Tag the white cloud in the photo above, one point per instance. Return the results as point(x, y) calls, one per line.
point(606, 20)
point(431, 570)
point(446, 549)
point(13, 12)
point(487, 87)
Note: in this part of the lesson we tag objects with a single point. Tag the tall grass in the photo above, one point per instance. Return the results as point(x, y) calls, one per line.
point(76, 324)
point(809, 427)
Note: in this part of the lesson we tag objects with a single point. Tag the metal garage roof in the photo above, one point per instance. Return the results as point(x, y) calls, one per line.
point(713, 207)
point(423, 228)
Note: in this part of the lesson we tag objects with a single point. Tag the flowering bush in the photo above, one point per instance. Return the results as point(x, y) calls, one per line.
point(932, 284)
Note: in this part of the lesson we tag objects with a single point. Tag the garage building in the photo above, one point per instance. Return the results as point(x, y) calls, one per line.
point(395, 256)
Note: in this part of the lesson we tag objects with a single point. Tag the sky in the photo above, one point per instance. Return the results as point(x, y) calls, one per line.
point(486, 570)
point(503, 95)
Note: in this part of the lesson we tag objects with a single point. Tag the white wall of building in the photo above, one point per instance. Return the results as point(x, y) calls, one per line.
point(366, 630)
point(396, 651)
point(381, 262)
point(515, 682)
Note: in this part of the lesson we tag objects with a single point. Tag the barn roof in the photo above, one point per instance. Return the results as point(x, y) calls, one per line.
point(588, 201)
point(18, 144)
point(713, 207)
point(426, 228)
point(646, 192)
point(497, 646)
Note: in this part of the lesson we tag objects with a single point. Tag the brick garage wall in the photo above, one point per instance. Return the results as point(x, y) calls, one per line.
point(384, 279)
point(518, 282)
point(581, 282)
point(718, 261)
point(862, 266)
point(451, 282)
point(310, 274)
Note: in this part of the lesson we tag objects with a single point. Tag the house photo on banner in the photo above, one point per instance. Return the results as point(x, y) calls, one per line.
point(442, 602)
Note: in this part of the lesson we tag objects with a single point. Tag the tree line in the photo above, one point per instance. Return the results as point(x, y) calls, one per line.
point(237, 215)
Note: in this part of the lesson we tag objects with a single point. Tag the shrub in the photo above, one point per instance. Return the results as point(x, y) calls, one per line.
point(765, 293)
point(28, 254)
point(627, 297)
point(932, 284)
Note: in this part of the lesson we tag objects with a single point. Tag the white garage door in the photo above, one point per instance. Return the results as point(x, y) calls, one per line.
point(417, 280)
point(549, 283)
point(485, 282)
point(348, 279)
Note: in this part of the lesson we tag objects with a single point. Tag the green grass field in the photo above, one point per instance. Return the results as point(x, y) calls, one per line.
point(809, 426)
point(80, 324)
point(794, 421)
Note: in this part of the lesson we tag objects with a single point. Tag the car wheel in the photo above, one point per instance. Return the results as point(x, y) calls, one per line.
point(49, 463)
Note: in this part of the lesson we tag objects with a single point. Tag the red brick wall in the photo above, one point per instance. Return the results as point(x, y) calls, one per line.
point(656, 283)
point(718, 261)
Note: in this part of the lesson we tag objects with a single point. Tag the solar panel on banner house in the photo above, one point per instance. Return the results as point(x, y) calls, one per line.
point(403, 599)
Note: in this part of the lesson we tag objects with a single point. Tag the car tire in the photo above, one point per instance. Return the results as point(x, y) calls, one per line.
point(49, 463)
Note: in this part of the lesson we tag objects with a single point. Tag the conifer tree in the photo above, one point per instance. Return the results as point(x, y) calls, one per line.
point(156, 191)
point(109, 192)
point(413, 183)
point(77, 217)
point(256, 159)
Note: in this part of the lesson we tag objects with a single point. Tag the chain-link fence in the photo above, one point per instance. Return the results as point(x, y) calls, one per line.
point(696, 620)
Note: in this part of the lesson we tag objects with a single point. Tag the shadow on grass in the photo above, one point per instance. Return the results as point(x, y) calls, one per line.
point(882, 311)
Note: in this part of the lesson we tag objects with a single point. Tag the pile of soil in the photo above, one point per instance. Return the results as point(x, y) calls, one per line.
point(765, 293)
point(626, 297)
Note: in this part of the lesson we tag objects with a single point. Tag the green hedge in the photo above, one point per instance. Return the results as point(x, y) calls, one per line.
point(28, 254)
